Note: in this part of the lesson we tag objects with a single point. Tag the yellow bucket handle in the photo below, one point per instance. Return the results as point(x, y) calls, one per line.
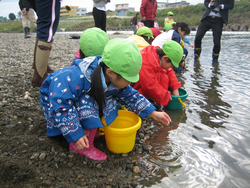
point(101, 130)
point(123, 107)
point(179, 99)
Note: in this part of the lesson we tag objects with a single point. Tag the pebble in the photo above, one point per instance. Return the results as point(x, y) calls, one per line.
point(34, 156)
point(10, 126)
point(136, 169)
point(80, 176)
point(70, 164)
point(124, 154)
point(42, 156)
point(99, 166)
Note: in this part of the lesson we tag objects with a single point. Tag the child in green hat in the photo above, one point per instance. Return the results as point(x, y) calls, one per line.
point(74, 98)
point(157, 75)
point(142, 38)
point(169, 19)
point(92, 43)
point(178, 33)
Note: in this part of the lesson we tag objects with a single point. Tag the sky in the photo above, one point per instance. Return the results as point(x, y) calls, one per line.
point(11, 6)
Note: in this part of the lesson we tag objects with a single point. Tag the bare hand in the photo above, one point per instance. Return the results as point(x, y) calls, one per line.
point(144, 18)
point(82, 143)
point(24, 11)
point(176, 92)
point(161, 116)
point(192, 45)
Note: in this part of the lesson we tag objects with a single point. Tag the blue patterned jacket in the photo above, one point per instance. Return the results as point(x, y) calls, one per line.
point(69, 107)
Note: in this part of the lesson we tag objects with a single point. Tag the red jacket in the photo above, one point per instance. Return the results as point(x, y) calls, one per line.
point(148, 9)
point(154, 81)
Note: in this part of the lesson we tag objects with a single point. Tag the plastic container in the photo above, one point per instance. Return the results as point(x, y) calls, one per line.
point(120, 135)
point(175, 103)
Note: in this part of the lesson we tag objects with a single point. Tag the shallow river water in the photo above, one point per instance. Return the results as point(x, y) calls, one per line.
point(208, 142)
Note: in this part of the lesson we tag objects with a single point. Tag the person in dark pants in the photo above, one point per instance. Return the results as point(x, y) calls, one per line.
point(48, 13)
point(135, 22)
point(214, 18)
point(99, 13)
point(148, 12)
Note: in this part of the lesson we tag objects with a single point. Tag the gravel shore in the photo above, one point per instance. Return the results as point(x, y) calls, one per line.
point(28, 158)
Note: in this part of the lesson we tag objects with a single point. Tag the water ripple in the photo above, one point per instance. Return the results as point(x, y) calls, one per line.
point(209, 147)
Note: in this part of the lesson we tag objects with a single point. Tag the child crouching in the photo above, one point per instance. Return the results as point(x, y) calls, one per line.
point(74, 98)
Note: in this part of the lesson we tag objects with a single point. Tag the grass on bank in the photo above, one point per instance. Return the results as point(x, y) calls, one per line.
point(191, 14)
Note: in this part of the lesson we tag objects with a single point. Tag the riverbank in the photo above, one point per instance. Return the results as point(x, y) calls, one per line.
point(28, 158)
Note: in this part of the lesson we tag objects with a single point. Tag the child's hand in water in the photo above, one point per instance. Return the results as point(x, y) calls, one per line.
point(161, 116)
point(176, 92)
point(82, 143)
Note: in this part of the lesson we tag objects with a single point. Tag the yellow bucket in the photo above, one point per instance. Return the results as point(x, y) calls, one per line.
point(120, 135)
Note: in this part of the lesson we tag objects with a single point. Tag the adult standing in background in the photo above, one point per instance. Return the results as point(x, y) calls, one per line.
point(48, 13)
point(99, 13)
point(213, 18)
point(135, 22)
point(148, 12)
point(27, 15)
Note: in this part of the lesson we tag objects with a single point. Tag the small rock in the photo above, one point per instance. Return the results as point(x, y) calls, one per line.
point(70, 164)
point(34, 156)
point(57, 159)
point(145, 148)
point(10, 126)
point(136, 169)
point(141, 135)
point(52, 173)
point(52, 149)
point(62, 155)
point(144, 174)
point(130, 166)
point(30, 119)
point(42, 156)
point(99, 166)
point(110, 179)
point(124, 154)
point(80, 176)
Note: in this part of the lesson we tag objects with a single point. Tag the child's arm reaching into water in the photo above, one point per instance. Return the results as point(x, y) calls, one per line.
point(161, 116)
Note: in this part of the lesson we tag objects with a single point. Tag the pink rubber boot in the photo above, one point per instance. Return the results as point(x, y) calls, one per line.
point(90, 152)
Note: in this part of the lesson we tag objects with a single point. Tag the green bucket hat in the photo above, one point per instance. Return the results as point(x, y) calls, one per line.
point(174, 51)
point(145, 31)
point(170, 13)
point(93, 41)
point(123, 57)
point(168, 26)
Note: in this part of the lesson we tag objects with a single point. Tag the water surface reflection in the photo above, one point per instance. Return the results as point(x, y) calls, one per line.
point(207, 144)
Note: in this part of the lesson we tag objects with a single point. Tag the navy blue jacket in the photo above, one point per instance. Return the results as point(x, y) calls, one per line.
point(228, 4)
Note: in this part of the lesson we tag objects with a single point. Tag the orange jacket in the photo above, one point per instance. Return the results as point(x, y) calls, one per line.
point(155, 81)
